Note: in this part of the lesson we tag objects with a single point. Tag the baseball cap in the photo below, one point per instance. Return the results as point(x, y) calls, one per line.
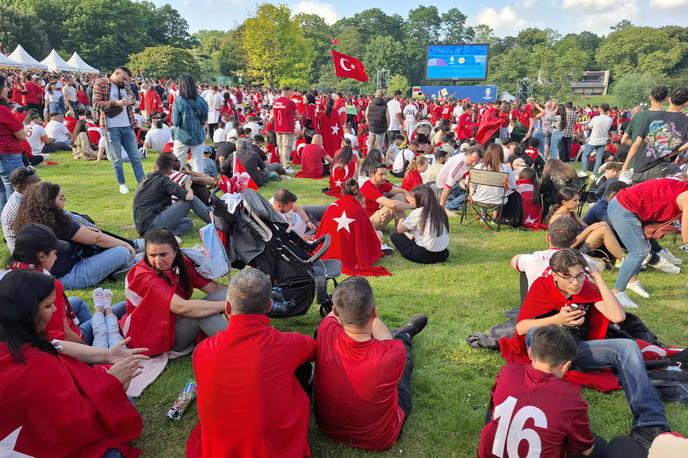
point(464, 147)
point(39, 237)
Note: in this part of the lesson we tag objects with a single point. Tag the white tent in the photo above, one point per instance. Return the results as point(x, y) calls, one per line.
point(22, 57)
point(56, 64)
point(78, 62)
point(7, 62)
point(506, 97)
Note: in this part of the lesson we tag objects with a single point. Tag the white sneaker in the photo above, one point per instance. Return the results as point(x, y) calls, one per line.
point(665, 266)
point(684, 247)
point(637, 288)
point(288, 170)
point(123, 189)
point(386, 249)
point(625, 301)
point(666, 254)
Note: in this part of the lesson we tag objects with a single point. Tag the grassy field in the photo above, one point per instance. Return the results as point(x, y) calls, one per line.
point(451, 381)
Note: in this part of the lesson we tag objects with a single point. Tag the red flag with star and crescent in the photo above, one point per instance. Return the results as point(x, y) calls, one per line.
point(348, 67)
point(353, 238)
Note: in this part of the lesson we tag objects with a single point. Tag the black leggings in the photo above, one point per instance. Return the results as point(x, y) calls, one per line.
point(413, 252)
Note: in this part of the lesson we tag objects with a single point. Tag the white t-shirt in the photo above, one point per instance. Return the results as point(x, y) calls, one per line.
point(219, 136)
point(69, 93)
point(55, 97)
point(452, 171)
point(158, 138)
point(398, 164)
point(410, 112)
point(426, 238)
point(232, 133)
point(458, 111)
point(393, 108)
point(354, 142)
point(534, 264)
point(57, 131)
point(122, 119)
point(34, 132)
point(255, 128)
point(600, 130)
point(293, 219)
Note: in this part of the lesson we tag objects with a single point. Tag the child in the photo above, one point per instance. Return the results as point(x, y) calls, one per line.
point(610, 174)
point(533, 409)
point(534, 154)
point(393, 149)
point(413, 177)
point(527, 185)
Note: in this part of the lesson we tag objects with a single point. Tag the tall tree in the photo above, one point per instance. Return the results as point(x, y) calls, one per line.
point(454, 29)
point(319, 33)
point(24, 28)
point(483, 34)
point(165, 62)
point(166, 26)
point(232, 58)
point(423, 25)
point(373, 22)
point(276, 50)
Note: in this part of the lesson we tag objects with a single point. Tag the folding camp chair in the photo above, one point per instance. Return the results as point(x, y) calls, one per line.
point(580, 186)
point(483, 210)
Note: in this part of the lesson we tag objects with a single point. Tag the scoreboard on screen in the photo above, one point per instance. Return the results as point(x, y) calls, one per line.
point(457, 62)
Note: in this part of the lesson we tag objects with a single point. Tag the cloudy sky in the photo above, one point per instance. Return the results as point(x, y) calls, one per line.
point(505, 17)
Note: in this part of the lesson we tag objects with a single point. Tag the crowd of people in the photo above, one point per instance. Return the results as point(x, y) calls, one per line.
point(386, 160)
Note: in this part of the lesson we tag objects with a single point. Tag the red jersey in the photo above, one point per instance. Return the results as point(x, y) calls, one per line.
point(411, 180)
point(446, 112)
point(312, 157)
point(32, 94)
point(654, 201)
point(372, 193)
point(535, 414)
point(9, 124)
point(247, 373)
point(284, 110)
point(356, 396)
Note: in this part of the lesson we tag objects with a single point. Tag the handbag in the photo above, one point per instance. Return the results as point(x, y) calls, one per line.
point(658, 230)
point(115, 111)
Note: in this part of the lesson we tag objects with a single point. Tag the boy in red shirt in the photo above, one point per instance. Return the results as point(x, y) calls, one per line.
point(246, 374)
point(363, 371)
point(384, 202)
point(532, 409)
point(284, 115)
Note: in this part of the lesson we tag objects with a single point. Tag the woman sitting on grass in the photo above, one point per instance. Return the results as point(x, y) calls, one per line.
point(413, 177)
point(344, 168)
point(369, 165)
point(59, 405)
point(92, 255)
point(81, 145)
point(429, 225)
point(160, 312)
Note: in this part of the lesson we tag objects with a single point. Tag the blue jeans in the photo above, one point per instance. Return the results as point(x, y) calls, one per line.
point(92, 270)
point(86, 322)
point(624, 357)
point(123, 137)
point(56, 108)
point(8, 163)
point(599, 154)
point(456, 199)
point(557, 134)
point(540, 136)
point(630, 230)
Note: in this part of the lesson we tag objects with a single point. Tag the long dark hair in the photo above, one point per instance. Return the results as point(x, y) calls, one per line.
point(494, 157)
point(3, 83)
point(371, 161)
point(81, 126)
point(187, 87)
point(21, 291)
point(529, 173)
point(165, 237)
point(345, 155)
point(561, 111)
point(330, 106)
point(432, 213)
point(38, 206)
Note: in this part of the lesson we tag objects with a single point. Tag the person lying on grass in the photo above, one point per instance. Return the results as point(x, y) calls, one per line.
point(56, 404)
point(567, 296)
point(554, 410)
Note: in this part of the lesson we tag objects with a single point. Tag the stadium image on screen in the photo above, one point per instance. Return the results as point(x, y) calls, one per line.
point(457, 62)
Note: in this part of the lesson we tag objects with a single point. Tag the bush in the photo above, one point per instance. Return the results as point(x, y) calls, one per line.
point(164, 62)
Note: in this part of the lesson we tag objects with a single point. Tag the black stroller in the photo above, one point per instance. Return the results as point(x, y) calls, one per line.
point(256, 235)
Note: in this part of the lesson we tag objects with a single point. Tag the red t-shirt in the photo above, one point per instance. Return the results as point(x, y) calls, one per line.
point(284, 110)
point(411, 180)
point(9, 124)
point(33, 93)
point(356, 401)
point(312, 157)
point(372, 193)
point(246, 373)
point(533, 411)
point(654, 201)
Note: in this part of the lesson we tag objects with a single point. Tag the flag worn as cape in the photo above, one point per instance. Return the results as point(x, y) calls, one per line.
point(332, 131)
point(239, 169)
point(489, 125)
point(340, 174)
point(57, 406)
point(354, 240)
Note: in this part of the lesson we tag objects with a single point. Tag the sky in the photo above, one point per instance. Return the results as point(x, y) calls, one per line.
point(504, 17)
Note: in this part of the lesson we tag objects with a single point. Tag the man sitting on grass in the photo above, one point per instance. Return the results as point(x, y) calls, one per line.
point(363, 371)
point(246, 376)
point(554, 410)
point(384, 202)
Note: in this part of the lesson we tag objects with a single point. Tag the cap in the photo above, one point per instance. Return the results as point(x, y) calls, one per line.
point(464, 147)
point(38, 237)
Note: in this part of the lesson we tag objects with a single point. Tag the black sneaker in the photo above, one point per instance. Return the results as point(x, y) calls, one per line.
point(644, 435)
point(413, 327)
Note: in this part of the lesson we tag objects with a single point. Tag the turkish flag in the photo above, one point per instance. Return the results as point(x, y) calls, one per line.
point(488, 127)
point(354, 241)
point(241, 173)
point(56, 405)
point(348, 67)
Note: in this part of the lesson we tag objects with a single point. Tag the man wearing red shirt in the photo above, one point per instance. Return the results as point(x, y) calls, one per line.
point(363, 371)
point(384, 202)
point(11, 137)
point(284, 112)
point(32, 95)
point(533, 409)
point(245, 375)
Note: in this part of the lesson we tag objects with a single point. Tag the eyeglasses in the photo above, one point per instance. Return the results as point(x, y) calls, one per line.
point(569, 278)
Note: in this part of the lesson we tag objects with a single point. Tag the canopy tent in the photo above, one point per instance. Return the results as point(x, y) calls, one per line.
point(22, 57)
point(78, 62)
point(7, 62)
point(506, 97)
point(56, 64)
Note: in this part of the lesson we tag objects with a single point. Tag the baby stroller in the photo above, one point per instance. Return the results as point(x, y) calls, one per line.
point(256, 235)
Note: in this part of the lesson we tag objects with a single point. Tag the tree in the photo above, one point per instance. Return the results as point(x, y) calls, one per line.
point(164, 62)
point(423, 25)
point(18, 27)
point(165, 26)
point(51, 16)
point(621, 25)
point(373, 22)
point(454, 29)
point(208, 52)
point(483, 34)
point(319, 33)
point(398, 82)
point(633, 88)
point(232, 59)
point(275, 48)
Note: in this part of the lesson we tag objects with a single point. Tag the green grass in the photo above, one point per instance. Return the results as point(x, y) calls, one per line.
point(451, 381)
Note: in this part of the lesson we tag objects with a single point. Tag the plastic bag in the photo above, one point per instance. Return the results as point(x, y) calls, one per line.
point(211, 260)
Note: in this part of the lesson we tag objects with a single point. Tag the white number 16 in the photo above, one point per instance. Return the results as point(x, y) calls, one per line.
point(510, 431)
